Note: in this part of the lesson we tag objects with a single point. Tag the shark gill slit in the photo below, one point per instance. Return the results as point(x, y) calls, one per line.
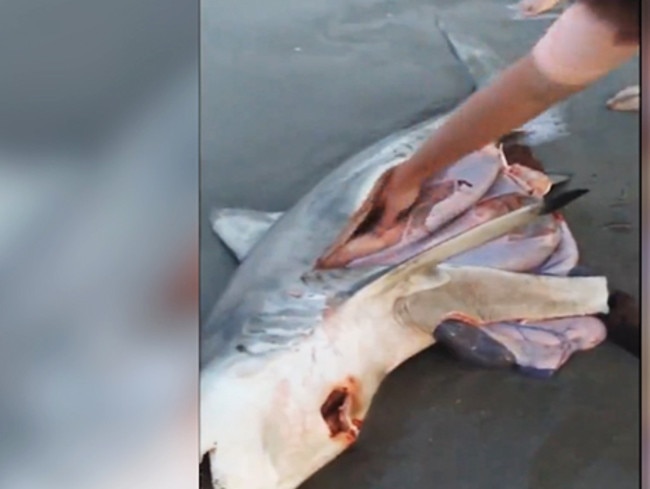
point(338, 413)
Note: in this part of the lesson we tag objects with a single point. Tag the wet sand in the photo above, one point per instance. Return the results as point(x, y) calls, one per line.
point(290, 90)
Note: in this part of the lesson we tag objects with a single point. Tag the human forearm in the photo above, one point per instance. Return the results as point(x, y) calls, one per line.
point(578, 49)
point(518, 95)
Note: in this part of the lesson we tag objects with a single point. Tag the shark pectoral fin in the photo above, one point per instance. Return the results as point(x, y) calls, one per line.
point(485, 295)
point(426, 280)
point(241, 229)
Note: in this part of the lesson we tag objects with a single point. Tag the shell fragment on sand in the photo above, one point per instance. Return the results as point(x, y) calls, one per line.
point(535, 9)
point(627, 100)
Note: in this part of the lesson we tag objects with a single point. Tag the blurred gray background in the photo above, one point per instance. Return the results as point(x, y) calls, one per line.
point(98, 206)
point(72, 69)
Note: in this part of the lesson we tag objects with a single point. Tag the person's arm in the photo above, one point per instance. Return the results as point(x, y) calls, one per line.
point(520, 94)
point(578, 49)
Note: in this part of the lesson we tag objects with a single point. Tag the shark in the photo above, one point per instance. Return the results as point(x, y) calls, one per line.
point(322, 308)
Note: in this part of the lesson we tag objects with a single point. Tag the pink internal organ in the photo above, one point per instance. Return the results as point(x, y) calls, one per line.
point(565, 257)
point(516, 186)
point(549, 344)
point(545, 246)
point(520, 251)
point(486, 210)
point(543, 345)
point(442, 199)
point(530, 181)
point(431, 195)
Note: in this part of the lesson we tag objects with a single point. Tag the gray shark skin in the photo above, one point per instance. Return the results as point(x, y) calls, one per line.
point(293, 244)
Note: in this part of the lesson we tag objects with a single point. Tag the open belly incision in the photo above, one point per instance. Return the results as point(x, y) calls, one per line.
point(479, 188)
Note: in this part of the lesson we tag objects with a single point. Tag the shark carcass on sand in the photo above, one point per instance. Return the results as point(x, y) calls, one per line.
point(321, 310)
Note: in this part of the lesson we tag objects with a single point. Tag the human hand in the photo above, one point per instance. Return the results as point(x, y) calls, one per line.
point(398, 194)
